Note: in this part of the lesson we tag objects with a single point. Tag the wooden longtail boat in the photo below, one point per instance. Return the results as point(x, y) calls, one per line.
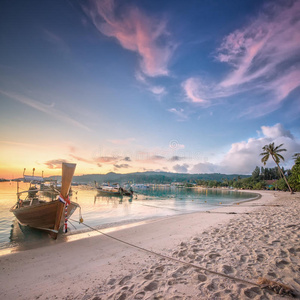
point(113, 190)
point(45, 215)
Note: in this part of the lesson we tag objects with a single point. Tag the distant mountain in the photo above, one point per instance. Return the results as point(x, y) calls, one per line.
point(150, 177)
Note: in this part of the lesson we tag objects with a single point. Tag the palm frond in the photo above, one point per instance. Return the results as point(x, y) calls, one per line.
point(280, 156)
point(278, 146)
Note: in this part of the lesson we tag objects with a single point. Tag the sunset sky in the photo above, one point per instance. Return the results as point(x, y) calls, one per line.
point(125, 86)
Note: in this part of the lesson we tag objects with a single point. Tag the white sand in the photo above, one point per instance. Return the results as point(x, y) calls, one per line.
point(265, 242)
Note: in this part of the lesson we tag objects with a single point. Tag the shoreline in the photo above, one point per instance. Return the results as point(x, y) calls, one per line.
point(111, 227)
point(100, 267)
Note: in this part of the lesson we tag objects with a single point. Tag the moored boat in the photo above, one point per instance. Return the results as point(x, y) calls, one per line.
point(113, 190)
point(47, 215)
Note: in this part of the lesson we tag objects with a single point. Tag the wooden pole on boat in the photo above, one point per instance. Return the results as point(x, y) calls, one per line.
point(66, 180)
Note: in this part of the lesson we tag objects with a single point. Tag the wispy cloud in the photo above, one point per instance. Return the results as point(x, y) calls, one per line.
point(54, 163)
point(136, 31)
point(181, 114)
point(176, 158)
point(104, 160)
point(264, 57)
point(57, 41)
point(82, 159)
point(127, 141)
point(257, 50)
point(157, 90)
point(195, 91)
point(48, 109)
point(29, 145)
point(122, 166)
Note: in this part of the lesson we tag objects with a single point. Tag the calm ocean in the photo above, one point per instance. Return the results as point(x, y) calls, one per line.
point(102, 211)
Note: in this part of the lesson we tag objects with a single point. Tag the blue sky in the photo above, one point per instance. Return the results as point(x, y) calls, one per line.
point(125, 86)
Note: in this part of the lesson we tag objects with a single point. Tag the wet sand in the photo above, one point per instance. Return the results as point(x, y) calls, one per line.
point(256, 241)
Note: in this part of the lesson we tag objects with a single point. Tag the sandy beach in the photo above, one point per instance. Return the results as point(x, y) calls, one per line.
point(254, 239)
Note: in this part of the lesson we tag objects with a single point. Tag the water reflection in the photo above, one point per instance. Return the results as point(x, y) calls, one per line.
point(112, 198)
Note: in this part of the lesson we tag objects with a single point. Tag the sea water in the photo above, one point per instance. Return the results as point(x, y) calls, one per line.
point(108, 211)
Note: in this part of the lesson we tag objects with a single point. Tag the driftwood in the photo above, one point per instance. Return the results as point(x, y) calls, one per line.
point(278, 288)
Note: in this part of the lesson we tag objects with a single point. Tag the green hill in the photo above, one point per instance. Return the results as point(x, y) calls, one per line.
point(151, 177)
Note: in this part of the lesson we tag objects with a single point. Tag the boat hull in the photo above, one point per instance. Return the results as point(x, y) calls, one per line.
point(42, 215)
point(114, 192)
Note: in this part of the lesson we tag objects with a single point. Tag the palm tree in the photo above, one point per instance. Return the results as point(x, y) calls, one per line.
point(296, 156)
point(271, 150)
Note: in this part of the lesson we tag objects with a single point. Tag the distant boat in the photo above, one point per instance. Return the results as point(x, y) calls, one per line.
point(139, 186)
point(47, 215)
point(53, 188)
point(113, 190)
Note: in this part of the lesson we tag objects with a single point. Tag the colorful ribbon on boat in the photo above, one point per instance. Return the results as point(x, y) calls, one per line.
point(65, 201)
point(66, 219)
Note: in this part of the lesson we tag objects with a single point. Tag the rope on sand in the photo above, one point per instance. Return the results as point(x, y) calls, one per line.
point(276, 287)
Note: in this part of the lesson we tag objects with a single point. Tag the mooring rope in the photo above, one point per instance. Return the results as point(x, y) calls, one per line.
point(196, 211)
point(169, 257)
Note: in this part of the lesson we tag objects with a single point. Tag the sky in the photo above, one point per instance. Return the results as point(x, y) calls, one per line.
point(137, 85)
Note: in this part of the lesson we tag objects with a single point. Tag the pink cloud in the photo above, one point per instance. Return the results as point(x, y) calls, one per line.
point(287, 83)
point(193, 88)
point(54, 163)
point(257, 50)
point(136, 32)
point(264, 57)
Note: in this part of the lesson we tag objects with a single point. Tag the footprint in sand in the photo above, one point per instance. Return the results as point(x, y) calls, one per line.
point(282, 253)
point(212, 287)
point(252, 292)
point(260, 257)
point(282, 264)
point(213, 255)
point(123, 296)
point(149, 276)
point(124, 279)
point(227, 269)
point(272, 274)
point(292, 251)
point(201, 277)
point(243, 258)
point(182, 253)
point(159, 269)
point(139, 295)
point(151, 286)
point(191, 256)
point(171, 281)
point(111, 281)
